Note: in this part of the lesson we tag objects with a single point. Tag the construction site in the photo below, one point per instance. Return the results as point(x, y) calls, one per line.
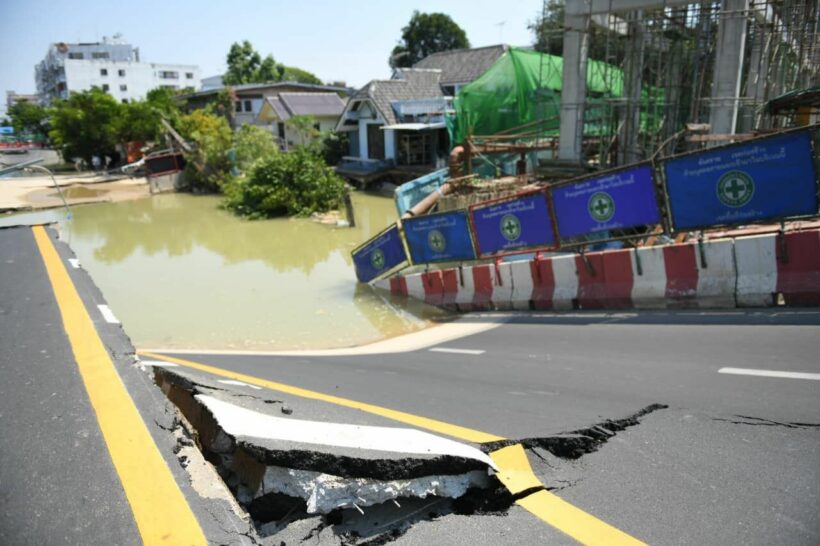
point(661, 78)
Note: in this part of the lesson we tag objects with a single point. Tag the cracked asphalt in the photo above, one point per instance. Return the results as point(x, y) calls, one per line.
point(732, 460)
point(626, 416)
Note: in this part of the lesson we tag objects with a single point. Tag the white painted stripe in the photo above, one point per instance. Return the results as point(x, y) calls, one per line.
point(522, 284)
point(648, 288)
point(107, 314)
point(756, 270)
point(75, 263)
point(238, 384)
point(457, 351)
point(566, 282)
point(717, 281)
point(159, 364)
point(771, 373)
point(239, 421)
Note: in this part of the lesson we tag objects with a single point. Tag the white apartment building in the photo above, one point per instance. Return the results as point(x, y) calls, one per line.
point(112, 65)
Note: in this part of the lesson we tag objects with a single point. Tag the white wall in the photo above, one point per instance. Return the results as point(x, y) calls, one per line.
point(139, 78)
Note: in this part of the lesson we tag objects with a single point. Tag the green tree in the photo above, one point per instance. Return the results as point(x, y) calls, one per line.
point(29, 117)
point(246, 65)
point(425, 34)
point(209, 166)
point(86, 124)
point(294, 74)
point(296, 183)
point(243, 64)
point(252, 143)
point(138, 121)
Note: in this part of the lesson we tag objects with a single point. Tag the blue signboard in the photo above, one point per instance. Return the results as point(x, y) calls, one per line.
point(379, 255)
point(765, 179)
point(513, 225)
point(441, 237)
point(6, 130)
point(618, 200)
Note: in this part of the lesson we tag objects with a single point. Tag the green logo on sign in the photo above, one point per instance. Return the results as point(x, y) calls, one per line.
point(510, 227)
point(601, 206)
point(436, 241)
point(735, 189)
point(377, 259)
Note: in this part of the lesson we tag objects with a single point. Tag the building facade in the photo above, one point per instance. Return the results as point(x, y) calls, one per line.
point(112, 65)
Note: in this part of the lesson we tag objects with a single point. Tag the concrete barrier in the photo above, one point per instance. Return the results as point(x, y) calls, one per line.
point(760, 270)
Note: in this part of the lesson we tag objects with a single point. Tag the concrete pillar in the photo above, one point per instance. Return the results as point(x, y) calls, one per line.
point(731, 41)
point(755, 81)
point(389, 144)
point(573, 87)
point(628, 151)
point(362, 139)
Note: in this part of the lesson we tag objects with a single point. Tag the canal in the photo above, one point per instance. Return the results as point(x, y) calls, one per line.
point(180, 273)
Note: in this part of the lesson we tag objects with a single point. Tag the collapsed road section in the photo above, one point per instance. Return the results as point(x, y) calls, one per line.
point(365, 480)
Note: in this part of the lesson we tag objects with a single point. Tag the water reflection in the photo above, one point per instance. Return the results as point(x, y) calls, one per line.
point(176, 223)
point(181, 273)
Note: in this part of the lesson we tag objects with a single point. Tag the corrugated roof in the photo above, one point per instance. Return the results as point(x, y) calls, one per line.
point(313, 104)
point(462, 65)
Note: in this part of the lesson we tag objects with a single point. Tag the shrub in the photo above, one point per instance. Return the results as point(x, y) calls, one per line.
point(296, 183)
point(253, 143)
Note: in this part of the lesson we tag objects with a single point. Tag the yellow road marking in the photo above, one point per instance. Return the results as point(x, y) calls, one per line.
point(514, 469)
point(511, 461)
point(516, 474)
point(422, 422)
point(160, 510)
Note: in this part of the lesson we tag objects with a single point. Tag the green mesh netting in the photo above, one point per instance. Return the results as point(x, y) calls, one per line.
point(524, 86)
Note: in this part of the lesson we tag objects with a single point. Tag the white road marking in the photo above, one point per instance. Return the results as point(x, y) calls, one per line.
point(107, 314)
point(239, 421)
point(159, 363)
point(75, 263)
point(771, 373)
point(238, 384)
point(457, 351)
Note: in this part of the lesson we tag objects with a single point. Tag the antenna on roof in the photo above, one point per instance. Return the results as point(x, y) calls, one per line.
point(500, 26)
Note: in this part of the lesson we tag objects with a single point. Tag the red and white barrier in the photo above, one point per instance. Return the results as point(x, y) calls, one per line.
point(749, 271)
point(773, 265)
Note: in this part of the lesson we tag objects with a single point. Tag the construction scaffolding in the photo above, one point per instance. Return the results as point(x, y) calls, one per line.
point(715, 63)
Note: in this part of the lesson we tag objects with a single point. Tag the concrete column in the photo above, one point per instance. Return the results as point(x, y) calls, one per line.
point(362, 139)
point(628, 151)
point(389, 144)
point(573, 87)
point(755, 81)
point(731, 41)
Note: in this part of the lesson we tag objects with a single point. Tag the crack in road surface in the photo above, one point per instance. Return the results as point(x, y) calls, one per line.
point(577, 443)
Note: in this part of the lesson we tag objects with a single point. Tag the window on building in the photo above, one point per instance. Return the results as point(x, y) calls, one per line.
point(189, 75)
point(99, 54)
point(248, 106)
point(125, 101)
point(75, 56)
point(123, 87)
point(105, 87)
point(103, 72)
point(121, 72)
point(168, 74)
point(239, 106)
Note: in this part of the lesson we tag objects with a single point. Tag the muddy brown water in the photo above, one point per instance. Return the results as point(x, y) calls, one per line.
point(182, 274)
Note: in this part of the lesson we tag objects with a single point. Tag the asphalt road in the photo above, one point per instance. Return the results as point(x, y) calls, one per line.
point(734, 459)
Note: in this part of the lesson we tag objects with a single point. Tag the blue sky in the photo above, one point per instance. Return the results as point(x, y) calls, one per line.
point(341, 40)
